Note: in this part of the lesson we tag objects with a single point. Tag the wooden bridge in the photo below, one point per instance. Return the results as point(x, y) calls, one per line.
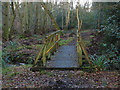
point(51, 45)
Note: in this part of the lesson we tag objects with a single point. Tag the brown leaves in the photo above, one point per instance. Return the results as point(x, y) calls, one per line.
point(75, 79)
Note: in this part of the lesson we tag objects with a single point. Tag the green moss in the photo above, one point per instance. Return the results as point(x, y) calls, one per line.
point(27, 65)
point(9, 70)
point(42, 72)
point(86, 42)
point(13, 74)
point(91, 36)
point(64, 42)
point(45, 72)
point(4, 71)
point(82, 74)
point(70, 75)
point(29, 47)
point(50, 74)
point(22, 37)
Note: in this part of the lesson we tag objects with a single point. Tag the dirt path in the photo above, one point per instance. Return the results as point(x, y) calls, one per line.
point(66, 56)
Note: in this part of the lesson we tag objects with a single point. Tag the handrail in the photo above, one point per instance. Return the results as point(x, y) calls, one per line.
point(56, 32)
point(81, 47)
point(49, 46)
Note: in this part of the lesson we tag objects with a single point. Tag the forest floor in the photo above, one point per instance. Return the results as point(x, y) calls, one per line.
point(22, 77)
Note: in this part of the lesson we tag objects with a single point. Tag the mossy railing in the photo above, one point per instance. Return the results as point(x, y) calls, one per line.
point(50, 45)
point(81, 47)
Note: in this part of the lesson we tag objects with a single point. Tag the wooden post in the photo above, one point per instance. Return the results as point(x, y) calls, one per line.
point(99, 7)
point(56, 40)
point(80, 55)
point(39, 55)
point(44, 57)
point(79, 50)
point(44, 53)
point(58, 36)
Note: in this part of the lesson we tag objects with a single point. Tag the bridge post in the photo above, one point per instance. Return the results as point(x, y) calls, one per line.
point(79, 51)
point(56, 40)
point(44, 53)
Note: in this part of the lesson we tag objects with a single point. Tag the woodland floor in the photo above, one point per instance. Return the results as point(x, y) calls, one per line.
point(22, 77)
point(59, 79)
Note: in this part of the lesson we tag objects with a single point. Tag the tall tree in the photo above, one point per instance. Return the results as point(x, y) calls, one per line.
point(48, 12)
point(5, 27)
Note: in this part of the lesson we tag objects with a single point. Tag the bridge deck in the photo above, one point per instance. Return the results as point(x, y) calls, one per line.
point(66, 56)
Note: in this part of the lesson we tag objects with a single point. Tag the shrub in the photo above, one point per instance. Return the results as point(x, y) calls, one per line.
point(109, 61)
point(99, 61)
point(9, 52)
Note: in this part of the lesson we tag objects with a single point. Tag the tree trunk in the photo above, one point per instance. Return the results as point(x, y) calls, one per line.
point(5, 28)
point(99, 17)
point(50, 15)
point(62, 19)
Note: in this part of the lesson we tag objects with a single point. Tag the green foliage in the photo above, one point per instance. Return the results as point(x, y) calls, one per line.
point(8, 53)
point(108, 45)
point(109, 61)
point(99, 61)
point(11, 71)
point(22, 36)
point(114, 56)
point(13, 74)
point(6, 70)
point(111, 29)
point(4, 65)
point(13, 53)
point(89, 20)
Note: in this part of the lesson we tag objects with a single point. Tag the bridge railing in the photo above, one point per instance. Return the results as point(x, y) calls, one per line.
point(81, 48)
point(49, 46)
